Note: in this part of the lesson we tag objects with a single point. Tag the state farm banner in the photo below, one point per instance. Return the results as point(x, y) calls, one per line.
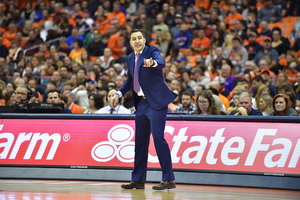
point(195, 145)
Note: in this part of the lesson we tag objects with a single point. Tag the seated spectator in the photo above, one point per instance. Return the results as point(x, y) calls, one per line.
point(183, 38)
point(81, 25)
point(237, 47)
point(119, 109)
point(83, 91)
point(23, 94)
point(282, 106)
point(10, 87)
point(205, 104)
point(187, 104)
point(201, 44)
point(265, 30)
point(232, 17)
point(282, 78)
point(95, 103)
point(75, 35)
point(286, 88)
point(78, 49)
point(269, 13)
point(215, 88)
point(226, 74)
point(245, 106)
point(43, 51)
point(107, 59)
point(265, 104)
point(11, 33)
point(53, 96)
point(93, 46)
point(253, 47)
point(234, 103)
point(32, 42)
point(279, 45)
point(10, 98)
point(70, 103)
point(117, 16)
point(15, 53)
point(28, 12)
point(267, 51)
point(34, 97)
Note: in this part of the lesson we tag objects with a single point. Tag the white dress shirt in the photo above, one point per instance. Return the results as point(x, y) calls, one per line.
point(118, 110)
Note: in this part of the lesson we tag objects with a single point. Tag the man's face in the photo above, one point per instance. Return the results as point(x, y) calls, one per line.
point(186, 101)
point(219, 51)
point(56, 76)
point(110, 94)
point(119, 81)
point(21, 94)
point(235, 44)
point(263, 65)
point(137, 41)
point(63, 72)
point(90, 87)
point(67, 61)
point(255, 84)
point(53, 98)
point(32, 84)
point(267, 44)
point(80, 74)
point(225, 71)
point(246, 103)
point(175, 85)
point(252, 39)
point(201, 34)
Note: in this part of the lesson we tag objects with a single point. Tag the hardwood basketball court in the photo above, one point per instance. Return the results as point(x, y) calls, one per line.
point(23, 189)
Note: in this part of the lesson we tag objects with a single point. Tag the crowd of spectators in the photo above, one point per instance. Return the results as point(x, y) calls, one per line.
point(222, 56)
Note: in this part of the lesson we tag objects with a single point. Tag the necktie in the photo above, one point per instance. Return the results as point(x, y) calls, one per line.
point(136, 84)
point(111, 110)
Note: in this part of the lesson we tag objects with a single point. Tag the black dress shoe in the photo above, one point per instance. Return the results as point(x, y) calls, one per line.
point(133, 185)
point(164, 185)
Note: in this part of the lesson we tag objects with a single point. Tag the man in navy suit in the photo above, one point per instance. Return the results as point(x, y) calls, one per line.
point(151, 98)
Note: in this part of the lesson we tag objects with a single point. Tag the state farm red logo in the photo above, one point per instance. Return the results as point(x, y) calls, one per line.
point(11, 144)
point(119, 144)
point(263, 148)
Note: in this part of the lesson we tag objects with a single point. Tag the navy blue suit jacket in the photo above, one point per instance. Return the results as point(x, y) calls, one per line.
point(151, 79)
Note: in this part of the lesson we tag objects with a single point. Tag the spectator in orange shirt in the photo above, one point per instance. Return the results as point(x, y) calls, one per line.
point(43, 51)
point(12, 31)
point(200, 45)
point(19, 38)
point(70, 103)
point(233, 16)
point(102, 23)
point(78, 11)
point(117, 14)
point(116, 43)
point(78, 49)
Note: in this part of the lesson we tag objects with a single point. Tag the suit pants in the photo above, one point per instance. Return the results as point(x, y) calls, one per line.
point(149, 120)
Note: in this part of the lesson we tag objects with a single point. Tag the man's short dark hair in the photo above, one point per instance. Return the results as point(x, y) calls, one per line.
point(258, 78)
point(137, 30)
point(187, 93)
point(237, 39)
